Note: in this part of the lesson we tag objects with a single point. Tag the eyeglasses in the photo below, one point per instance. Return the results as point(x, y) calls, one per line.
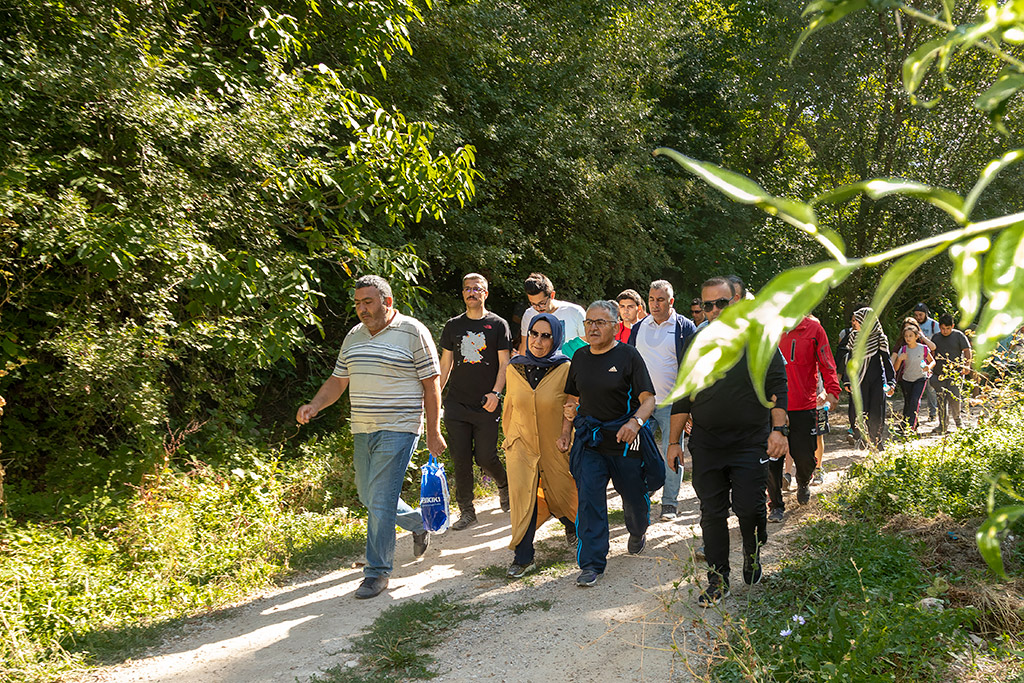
point(708, 306)
point(597, 323)
point(543, 335)
point(474, 290)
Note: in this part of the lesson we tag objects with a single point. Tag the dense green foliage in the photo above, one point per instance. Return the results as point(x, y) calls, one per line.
point(180, 188)
point(843, 609)
point(187, 541)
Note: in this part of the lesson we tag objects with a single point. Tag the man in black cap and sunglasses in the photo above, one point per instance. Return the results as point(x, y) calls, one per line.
point(731, 442)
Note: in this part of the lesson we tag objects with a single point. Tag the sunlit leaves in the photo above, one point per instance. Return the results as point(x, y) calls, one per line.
point(741, 189)
point(822, 13)
point(1003, 272)
point(966, 258)
point(877, 188)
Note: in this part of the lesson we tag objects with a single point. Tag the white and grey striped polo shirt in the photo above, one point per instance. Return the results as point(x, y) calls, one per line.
point(385, 373)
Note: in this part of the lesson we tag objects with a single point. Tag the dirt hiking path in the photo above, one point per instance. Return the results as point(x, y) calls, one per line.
point(639, 623)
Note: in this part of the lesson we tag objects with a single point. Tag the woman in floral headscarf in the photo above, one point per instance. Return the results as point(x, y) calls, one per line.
point(877, 378)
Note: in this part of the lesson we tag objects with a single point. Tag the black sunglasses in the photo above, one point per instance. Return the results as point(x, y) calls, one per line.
point(542, 335)
point(709, 305)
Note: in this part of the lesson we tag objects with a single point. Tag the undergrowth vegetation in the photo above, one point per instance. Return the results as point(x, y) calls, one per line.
point(76, 591)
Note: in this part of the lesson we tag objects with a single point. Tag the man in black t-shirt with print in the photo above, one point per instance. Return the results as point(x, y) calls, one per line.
point(608, 382)
point(475, 348)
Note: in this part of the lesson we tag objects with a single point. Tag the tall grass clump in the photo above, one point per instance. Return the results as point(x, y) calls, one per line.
point(952, 476)
point(87, 587)
point(843, 608)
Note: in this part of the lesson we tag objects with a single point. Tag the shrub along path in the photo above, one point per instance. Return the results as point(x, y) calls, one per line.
point(640, 622)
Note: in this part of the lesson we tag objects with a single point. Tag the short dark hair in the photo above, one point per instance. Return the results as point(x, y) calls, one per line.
point(632, 295)
point(946, 319)
point(377, 282)
point(738, 285)
point(696, 302)
point(718, 281)
point(538, 283)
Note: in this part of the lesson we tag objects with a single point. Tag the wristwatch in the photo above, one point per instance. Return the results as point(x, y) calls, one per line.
point(782, 428)
point(638, 421)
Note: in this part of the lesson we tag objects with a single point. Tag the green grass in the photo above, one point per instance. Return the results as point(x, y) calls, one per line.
point(544, 605)
point(394, 647)
point(111, 577)
point(842, 608)
point(550, 558)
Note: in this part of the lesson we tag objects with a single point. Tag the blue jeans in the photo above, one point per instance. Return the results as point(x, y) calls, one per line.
point(381, 459)
point(659, 422)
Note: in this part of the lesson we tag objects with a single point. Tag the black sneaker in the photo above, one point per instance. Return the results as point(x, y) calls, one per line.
point(776, 515)
point(635, 544)
point(668, 512)
point(466, 519)
point(752, 568)
point(787, 481)
point(420, 541)
point(803, 495)
point(503, 499)
point(713, 594)
point(371, 587)
point(587, 578)
point(518, 571)
point(570, 537)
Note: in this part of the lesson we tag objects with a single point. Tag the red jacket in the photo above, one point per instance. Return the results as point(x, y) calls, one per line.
point(807, 353)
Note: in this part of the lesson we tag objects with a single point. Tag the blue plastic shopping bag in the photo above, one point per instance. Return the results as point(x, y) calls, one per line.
point(434, 496)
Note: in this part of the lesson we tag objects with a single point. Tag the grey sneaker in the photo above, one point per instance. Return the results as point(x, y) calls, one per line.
point(518, 571)
point(776, 515)
point(668, 512)
point(371, 587)
point(587, 578)
point(503, 499)
point(466, 519)
point(420, 541)
point(818, 479)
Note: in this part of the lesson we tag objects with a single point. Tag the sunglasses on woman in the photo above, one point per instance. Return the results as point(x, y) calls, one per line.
point(542, 335)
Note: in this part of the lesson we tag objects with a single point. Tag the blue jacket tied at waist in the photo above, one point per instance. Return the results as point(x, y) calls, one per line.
point(588, 435)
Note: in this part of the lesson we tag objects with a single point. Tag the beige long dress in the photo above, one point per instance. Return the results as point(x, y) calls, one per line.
point(532, 422)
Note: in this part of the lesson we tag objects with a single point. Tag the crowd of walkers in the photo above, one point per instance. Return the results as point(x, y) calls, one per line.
point(580, 398)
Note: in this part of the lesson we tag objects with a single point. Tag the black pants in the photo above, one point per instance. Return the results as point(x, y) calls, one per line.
point(735, 477)
point(474, 436)
point(874, 403)
point(803, 441)
point(524, 549)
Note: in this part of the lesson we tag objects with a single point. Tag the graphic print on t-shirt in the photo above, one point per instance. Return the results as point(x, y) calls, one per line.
point(472, 346)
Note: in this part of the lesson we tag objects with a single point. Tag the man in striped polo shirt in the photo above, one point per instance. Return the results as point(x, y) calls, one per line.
point(389, 365)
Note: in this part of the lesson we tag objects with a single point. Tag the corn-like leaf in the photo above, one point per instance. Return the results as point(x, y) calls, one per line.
point(915, 67)
point(897, 273)
point(823, 13)
point(995, 98)
point(948, 201)
point(780, 307)
point(989, 533)
point(1004, 312)
point(759, 324)
point(713, 351)
point(741, 189)
point(967, 275)
point(988, 175)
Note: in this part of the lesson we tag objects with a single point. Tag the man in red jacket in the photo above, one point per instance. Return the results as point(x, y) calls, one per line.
point(807, 353)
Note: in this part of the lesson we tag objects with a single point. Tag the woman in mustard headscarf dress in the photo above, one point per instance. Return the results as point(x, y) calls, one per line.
point(537, 439)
